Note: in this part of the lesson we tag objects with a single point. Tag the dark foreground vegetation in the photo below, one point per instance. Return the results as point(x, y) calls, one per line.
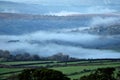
point(49, 74)
point(39, 74)
point(103, 74)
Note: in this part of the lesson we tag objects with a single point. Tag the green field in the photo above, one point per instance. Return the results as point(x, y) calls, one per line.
point(22, 62)
point(74, 70)
point(6, 70)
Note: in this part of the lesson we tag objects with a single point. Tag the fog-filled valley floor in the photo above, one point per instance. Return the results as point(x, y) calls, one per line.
point(91, 38)
point(46, 30)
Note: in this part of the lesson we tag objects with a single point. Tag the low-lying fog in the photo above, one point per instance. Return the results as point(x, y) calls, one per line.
point(75, 44)
point(48, 43)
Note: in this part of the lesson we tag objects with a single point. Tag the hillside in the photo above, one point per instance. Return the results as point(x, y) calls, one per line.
point(13, 23)
point(105, 30)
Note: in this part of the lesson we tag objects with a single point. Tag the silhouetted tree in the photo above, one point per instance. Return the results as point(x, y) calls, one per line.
point(42, 74)
point(60, 57)
point(118, 75)
point(100, 74)
point(36, 57)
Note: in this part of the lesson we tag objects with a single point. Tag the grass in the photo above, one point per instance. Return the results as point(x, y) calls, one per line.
point(72, 69)
point(7, 70)
point(22, 62)
point(68, 69)
point(77, 76)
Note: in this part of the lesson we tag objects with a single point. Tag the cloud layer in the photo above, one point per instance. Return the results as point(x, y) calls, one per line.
point(84, 2)
point(62, 7)
point(42, 43)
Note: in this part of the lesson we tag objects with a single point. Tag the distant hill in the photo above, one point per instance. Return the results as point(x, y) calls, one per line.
point(13, 23)
point(113, 29)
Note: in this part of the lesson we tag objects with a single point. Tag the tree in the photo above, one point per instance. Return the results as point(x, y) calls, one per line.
point(60, 57)
point(118, 75)
point(26, 74)
point(42, 74)
point(5, 55)
point(36, 57)
point(100, 74)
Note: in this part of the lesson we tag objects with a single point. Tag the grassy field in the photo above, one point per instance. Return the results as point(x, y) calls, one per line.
point(6, 70)
point(80, 69)
point(74, 70)
point(22, 62)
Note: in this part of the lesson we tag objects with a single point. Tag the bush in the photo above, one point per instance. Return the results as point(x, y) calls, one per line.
point(42, 74)
point(101, 74)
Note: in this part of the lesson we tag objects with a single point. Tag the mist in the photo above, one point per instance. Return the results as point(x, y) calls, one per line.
point(43, 43)
point(105, 21)
point(58, 34)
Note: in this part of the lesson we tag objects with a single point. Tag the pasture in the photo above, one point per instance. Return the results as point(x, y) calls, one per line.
point(74, 70)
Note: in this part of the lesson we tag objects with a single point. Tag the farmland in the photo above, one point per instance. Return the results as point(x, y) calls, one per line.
point(74, 70)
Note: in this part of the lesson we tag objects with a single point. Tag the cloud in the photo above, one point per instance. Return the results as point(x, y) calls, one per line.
point(107, 1)
point(100, 10)
point(36, 43)
point(63, 13)
point(50, 49)
point(85, 10)
point(66, 7)
point(84, 2)
point(105, 21)
point(9, 11)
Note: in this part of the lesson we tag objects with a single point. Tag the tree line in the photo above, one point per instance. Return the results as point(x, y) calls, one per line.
point(8, 56)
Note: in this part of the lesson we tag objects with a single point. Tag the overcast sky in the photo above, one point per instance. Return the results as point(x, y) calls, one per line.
point(82, 2)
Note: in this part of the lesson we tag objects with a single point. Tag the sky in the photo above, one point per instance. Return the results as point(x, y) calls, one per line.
point(65, 7)
point(82, 2)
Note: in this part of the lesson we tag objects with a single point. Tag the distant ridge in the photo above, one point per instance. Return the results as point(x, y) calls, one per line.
point(30, 16)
